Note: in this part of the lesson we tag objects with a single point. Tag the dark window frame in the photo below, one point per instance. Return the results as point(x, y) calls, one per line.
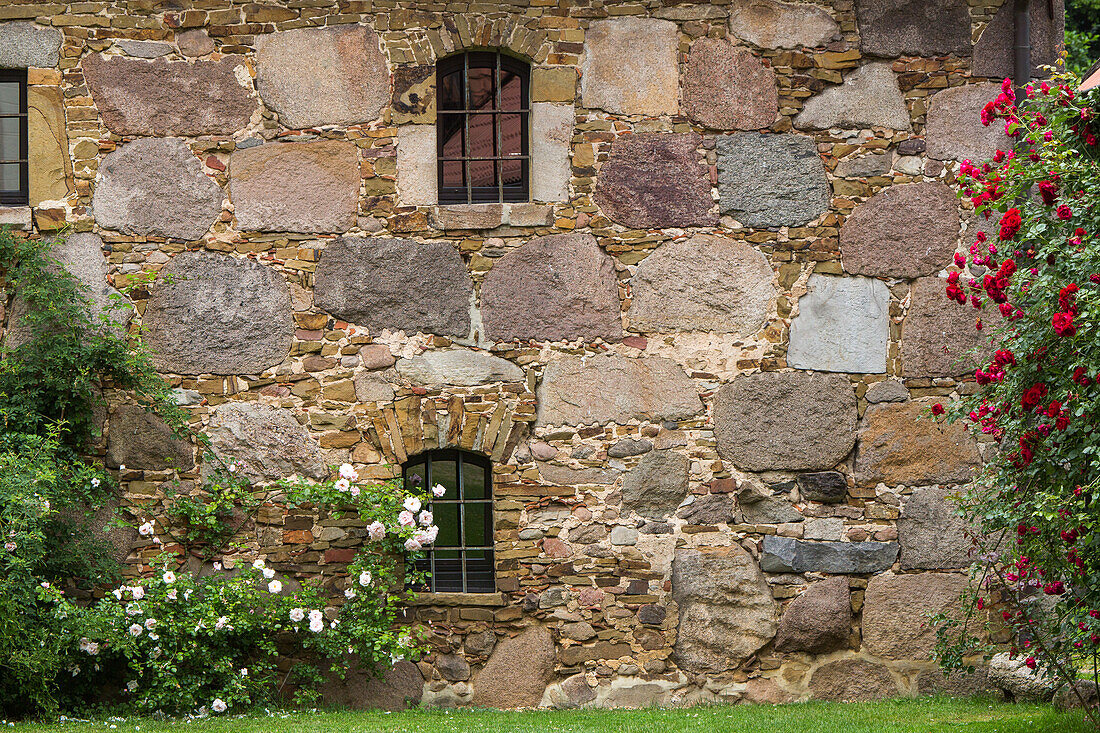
point(20, 196)
point(467, 566)
point(467, 193)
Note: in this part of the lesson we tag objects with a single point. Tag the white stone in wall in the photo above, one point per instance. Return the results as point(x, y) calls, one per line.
point(417, 177)
point(869, 97)
point(774, 24)
point(631, 66)
point(843, 325)
point(459, 367)
point(551, 133)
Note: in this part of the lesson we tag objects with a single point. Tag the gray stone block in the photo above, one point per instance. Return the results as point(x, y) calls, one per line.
point(843, 325)
point(788, 555)
point(771, 180)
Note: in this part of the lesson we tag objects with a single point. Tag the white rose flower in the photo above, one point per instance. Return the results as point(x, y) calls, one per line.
point(95, 483)
point(258, 564)
point(316, 615)
point(150, 623)
point(173, 594)
point(365, 578)
point(349, 593)
point(132, 685)
point(136, 629)
point(406, 519)
point(169, 577)
point(217, 567)
point(355, 491)
point(316, 625)
point(346, 471)
point(439, 490)
point(269, 573)
point(146, 529)
point(218, 706)
point(425, 518)
point(221, 623)
point(297, 614)
point(133, 609)
point(244, 671)
point(155, 637)
point(412, 545)
point(412, 504)
point(117, 592)
point(342, 485)
point(275, 587)
point(138, 591)
point(376, 530)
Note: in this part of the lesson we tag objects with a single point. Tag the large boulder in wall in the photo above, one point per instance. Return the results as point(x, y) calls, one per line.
point(518, 671)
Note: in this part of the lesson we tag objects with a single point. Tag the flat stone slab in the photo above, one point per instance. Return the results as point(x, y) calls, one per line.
point(902, 231)
point(897, 446)
point(726, 609)
point(266, 442)
point(309, 187)
point(379, 283)
point(776, 24)
point(868, 97)
point(932, 535)
point(771, 180)
point(81, 254)
point(896, 610)
point(789, 420)
point(160, 97)
point(28, 45)
point(954, 129)
point(650, 84)
point(655, 179)
point(728, 88)
point(610, 388)
point(939, 337)
point(843, 325)
point(657, 485)
point(144, 49)
point(49, 165)
point(788, 555)
point(218, 314)
point(894, 28)
point(156, 186)
point(553, 288)
point(828, 487)
point(705, 283)
point(458, 367)
point(141, 440)
point(323, 76)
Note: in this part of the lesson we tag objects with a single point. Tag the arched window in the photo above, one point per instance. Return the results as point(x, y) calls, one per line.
point(482, 118)
point(461, 560)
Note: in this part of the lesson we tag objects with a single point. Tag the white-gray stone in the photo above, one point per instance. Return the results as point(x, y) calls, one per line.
point(417, 178)
point(26, 45)
point(551, 133)
point(1014, 677)
point(705, 283)
point(888, 390)
point(144, 49)
point(843, 325)
point(649, 83)
point(624, 536)
point(824, 528)
point(776, 24)
point(156, 186)
point(459, 368)
point(374, 386)
point(266, 441)
point(868, 97)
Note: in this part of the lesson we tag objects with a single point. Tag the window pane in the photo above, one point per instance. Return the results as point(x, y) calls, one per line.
point(511, 90)
point(451, 91)
point(415, 476)
point(9, 98)
point(481, 88)
point(445, 471)
point(482, 173)
point(512, 172)
point(511, 134)
point(452, 174)
point(476, 516)
point(473, 481)
point(451, 130)
point(446, 518)
point(9, 177)
point(482, 136)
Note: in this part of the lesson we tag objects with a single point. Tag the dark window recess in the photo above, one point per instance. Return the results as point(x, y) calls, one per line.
point(14, 187)
point(482, 121)
point(461, 560)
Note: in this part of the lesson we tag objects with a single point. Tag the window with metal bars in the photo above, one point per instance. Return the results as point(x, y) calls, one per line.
point(482, 122)
point(461, 560)
point(14, 178)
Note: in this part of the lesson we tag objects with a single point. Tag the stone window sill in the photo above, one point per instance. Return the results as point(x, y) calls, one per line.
point(17, 217)
point(459, 599)
point(490, 216)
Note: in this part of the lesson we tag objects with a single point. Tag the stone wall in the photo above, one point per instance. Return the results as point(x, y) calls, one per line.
point(697, 357)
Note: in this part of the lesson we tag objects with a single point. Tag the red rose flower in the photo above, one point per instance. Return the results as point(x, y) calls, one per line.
point(1063, 324)
point(937, 409)
point(1065, 213)
point(1010, 224)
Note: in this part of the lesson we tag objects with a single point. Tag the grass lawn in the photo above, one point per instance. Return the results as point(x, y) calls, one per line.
point(927, 715)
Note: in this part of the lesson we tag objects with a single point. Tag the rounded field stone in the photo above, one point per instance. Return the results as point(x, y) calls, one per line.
point(785, 421)
point(656, 179)
point(939, 337)
point(156, 186)
point(266, 441)
point(819, 620)
point(649, 85)
point(611, 388)
point(139, 439)
point(954, 130)
point(218, 314)
point(931, 534)
point(868, 97)
point(903, 231)
point(705, 283)
point(896, 610)
point(296, 187)
point(553, 288)
point(852, 680)
point(894, 28)
point(657, 485)
point(379, 283)
point(771, 180)
point(728, 88)
point(518, 671)
point(897, 446)
point(159, 97)
point(777, 24)
point(323, 76)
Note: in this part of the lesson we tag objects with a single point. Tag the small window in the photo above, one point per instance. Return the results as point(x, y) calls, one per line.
point(13, 137)
point(461, 560)
point(482, 120)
